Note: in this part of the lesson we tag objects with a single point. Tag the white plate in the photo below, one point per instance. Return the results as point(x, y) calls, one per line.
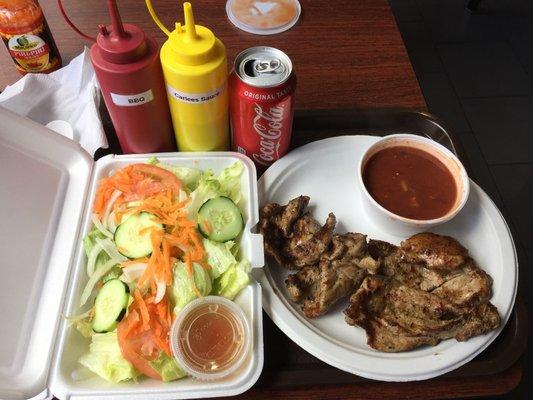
point(326, 171)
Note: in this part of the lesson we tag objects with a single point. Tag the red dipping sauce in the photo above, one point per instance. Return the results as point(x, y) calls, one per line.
point(410, 182)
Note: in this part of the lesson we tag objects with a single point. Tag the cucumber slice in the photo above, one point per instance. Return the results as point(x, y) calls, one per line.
point(219, 219)
point(110, 305)
point(132, 236)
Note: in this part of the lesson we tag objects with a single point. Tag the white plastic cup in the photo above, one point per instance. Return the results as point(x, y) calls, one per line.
point(199, 366)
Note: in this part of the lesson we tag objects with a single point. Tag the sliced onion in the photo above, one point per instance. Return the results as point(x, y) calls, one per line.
point(183, 248)
point(91, 260)
point(133, 272)
point(111, 225)
point(109, 206)
point(81, 374)
point(161, 288)
point(182, 196)
point(101, 228)
point(93, 280)
point(75, 318)
point(109, 247)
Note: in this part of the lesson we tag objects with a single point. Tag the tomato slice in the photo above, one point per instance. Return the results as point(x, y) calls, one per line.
point(167, 178)
point(138, 348)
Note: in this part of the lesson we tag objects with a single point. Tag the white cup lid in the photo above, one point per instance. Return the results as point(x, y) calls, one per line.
point(263, 17)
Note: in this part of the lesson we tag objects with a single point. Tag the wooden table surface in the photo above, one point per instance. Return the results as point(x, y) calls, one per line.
point(346, 53)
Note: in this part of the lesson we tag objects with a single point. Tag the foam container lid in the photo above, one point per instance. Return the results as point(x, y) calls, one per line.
point(48, 183)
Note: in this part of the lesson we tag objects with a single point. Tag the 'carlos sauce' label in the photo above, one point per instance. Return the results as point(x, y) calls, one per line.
point(195, 98)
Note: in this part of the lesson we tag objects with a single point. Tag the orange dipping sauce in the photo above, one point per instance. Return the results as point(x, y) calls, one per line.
point(210, 338)
point(410, 182)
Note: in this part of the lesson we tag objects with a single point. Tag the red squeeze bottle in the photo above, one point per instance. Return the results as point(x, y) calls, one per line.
point(127, 65)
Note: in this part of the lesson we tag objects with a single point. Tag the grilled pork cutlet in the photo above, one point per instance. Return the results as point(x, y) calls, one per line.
point(419, 293)
point(422, 298)
point(318, 287)
point(276, 223)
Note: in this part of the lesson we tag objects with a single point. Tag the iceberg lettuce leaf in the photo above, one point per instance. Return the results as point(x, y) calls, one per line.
point(167, 367)
point(231, 282)
point(228, 184)
point(219, 256)
point(183, 292)
point(105, 359)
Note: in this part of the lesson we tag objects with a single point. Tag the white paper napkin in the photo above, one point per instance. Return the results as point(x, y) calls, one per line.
point(69, 94)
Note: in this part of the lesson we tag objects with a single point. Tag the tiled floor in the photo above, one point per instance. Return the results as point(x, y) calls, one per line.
point(476, 72)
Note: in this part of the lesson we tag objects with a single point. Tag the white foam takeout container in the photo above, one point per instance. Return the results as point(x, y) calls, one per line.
point(47, 186)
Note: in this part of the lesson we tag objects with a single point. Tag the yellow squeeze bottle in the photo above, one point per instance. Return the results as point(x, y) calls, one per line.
point(196, 74)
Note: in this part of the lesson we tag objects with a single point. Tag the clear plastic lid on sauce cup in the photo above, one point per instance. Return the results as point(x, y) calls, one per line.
point(210, 338)
point(263, 17)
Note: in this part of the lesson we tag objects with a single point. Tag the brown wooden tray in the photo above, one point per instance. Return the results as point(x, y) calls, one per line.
point(289, 367)
point(286, 364)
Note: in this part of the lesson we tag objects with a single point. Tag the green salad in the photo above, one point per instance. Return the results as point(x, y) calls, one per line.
point(162, 235)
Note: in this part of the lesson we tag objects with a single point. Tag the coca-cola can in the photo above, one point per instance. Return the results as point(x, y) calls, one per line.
point(262, 87)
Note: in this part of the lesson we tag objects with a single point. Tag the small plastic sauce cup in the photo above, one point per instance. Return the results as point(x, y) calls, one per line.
point(210, 338)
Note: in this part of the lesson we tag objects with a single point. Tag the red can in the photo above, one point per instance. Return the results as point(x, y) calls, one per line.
point(262, 89)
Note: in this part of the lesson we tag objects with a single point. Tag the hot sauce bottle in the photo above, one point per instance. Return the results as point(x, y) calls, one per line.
point(25, 33)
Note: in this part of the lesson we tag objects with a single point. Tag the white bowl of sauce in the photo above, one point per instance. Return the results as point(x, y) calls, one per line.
point(410, 183)
point(210, 338)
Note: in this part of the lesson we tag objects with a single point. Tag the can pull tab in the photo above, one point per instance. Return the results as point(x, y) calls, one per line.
point(267, 66)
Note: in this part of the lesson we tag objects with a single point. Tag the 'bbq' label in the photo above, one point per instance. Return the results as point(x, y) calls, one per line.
point(131, 100)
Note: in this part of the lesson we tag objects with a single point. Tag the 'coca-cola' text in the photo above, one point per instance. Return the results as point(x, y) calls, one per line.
point(268, 125)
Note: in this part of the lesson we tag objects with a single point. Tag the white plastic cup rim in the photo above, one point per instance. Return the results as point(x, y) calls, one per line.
point(176, 348)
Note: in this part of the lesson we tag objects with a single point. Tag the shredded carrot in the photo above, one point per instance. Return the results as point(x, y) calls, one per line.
point(145, 230)
point(136, 182)
point(207, 226)
point(122, 249)
point(132, 323)
point(156, 191)
point(142, 308)
point(131, 262)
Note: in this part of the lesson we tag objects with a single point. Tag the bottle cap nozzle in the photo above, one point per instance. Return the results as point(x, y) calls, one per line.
point(116, 21)
point(120, 43)
point(190, 26)
point(191, 44)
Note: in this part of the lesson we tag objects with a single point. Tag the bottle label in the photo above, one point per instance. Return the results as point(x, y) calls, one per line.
point(131, 100)
point(32, 51)
point(195, 98)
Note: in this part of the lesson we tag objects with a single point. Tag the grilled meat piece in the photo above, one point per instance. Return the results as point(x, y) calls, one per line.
point(438, 252)
point(429, 290)
point(276, 223)
point(284, 217)
point(419, 293)
point(391, 258)
point(335, 277)
point(468, 288)
point(309, 240)
point(364, 310)
point(317, 288)
point(399, 318)
point(478, 321)
point(292, 238)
